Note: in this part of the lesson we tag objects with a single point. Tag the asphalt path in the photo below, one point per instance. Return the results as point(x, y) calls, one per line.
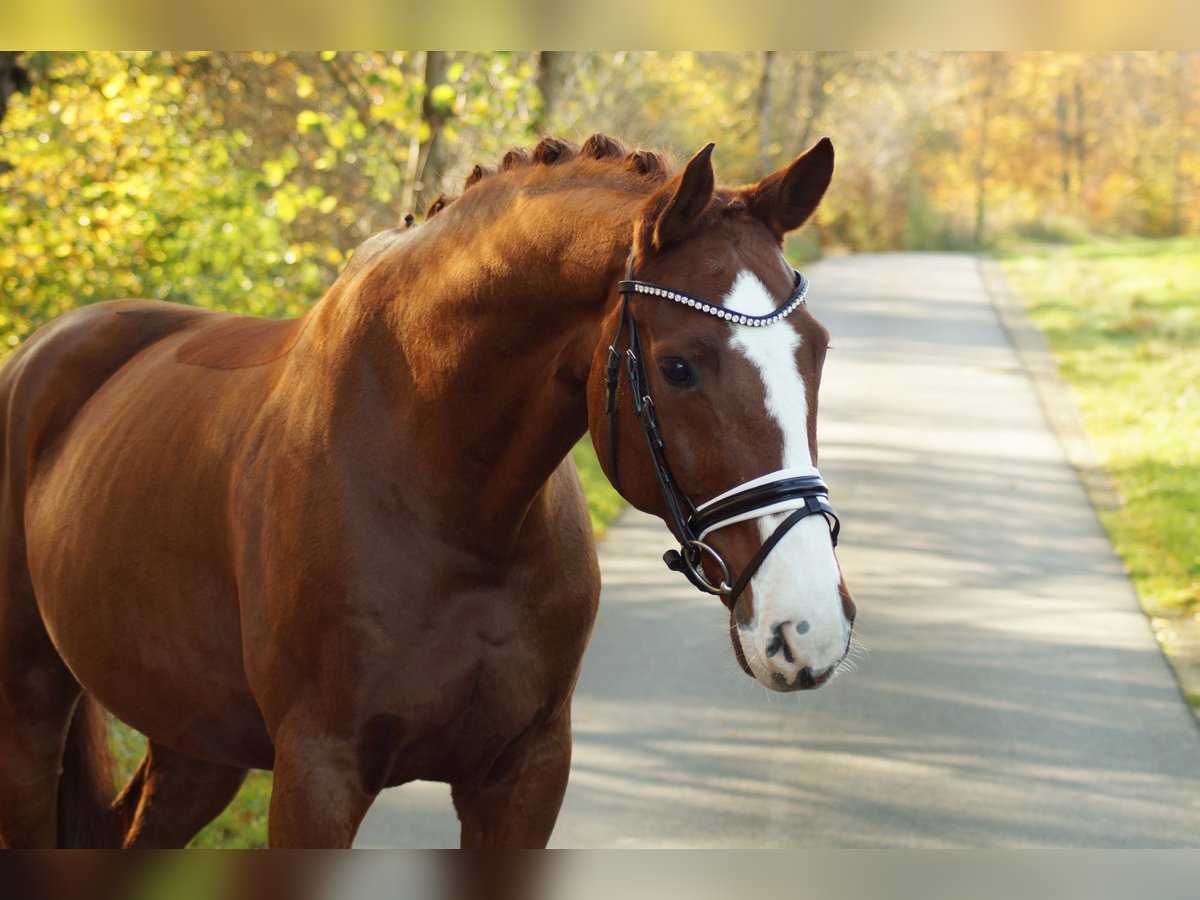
point(1012, 693)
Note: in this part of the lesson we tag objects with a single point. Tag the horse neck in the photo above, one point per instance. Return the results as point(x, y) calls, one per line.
point(479, 345)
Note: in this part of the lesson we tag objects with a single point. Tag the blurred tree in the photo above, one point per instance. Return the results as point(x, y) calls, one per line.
point(437, 106)
point(766, 91)
point(243, 180)
point(239, 180)
point(13, 78)
point(988, 67)
point(552, 69)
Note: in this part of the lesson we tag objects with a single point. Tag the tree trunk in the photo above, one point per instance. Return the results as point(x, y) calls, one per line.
point(1080, 146)
point(13, 78)
point(765, 101)
point(426, 158)
point(1178, 89)
point(1065, 147)
point(551, 71)
point(818, 72)
point(986, 93)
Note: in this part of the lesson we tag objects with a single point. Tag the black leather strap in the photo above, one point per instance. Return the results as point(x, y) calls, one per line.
point(769, 544)
point(810, 487)
point(682, 517)
point(612, 376)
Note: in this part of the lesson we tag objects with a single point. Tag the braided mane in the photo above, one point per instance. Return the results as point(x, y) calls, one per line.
point(551, 151)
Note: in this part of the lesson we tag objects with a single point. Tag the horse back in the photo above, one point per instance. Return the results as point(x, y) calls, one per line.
point(52, 376)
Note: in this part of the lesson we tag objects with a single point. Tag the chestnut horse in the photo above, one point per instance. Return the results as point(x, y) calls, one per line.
point(351, 547)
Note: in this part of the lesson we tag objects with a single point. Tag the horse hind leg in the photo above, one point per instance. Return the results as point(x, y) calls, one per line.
point(55, 775)
point(172, 796)
point(34, 721)
point(54, 784)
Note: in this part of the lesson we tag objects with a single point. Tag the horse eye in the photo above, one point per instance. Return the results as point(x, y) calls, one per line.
point(677, 372)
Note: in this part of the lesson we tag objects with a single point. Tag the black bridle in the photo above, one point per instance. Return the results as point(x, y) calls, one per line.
point(801, 492)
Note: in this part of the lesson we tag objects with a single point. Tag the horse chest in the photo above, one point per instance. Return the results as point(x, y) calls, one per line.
point(459, 697)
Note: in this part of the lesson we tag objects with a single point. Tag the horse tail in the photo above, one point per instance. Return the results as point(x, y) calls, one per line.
point(87, 786)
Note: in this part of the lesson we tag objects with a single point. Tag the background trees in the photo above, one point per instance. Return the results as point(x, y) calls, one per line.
point(243, 180)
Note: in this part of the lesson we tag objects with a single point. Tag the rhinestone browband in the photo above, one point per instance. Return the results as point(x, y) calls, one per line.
point(654, 290)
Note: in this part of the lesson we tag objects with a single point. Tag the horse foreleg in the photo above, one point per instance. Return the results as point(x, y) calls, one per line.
point(317, 797)
point(517, 804)
point(172, 796)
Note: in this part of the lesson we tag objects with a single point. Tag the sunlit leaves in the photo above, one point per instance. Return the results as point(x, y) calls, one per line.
point(442, 96)
point(232, 180)
point(190, 175)
point(125, 183)
point(309, 120)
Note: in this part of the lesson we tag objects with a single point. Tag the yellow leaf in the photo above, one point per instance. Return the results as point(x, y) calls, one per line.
point(306, 119)
point(113, 86)
point(442, 97)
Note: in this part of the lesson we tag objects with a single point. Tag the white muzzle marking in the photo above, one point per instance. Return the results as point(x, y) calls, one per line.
point(796, 590)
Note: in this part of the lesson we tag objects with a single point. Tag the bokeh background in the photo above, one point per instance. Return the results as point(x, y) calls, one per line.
point(243, 180)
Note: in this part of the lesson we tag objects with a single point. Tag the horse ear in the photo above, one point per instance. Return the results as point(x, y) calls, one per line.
point(673, 212)
point(785, 199)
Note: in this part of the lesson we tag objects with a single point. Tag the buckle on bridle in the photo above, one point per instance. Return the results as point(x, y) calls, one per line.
point(689, 563)
point(612, 375)
point(650, 424)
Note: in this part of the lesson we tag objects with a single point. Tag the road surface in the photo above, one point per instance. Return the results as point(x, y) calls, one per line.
point(1012, 694)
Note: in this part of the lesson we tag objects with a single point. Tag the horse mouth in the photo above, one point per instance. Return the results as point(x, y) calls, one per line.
point(805, 680)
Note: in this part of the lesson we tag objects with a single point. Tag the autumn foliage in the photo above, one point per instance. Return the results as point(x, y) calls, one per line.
point(242, 181)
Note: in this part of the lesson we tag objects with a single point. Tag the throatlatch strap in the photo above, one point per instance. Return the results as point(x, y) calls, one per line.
point(613, 375)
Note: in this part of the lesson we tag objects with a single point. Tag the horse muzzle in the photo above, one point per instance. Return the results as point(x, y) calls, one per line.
point(791, 652)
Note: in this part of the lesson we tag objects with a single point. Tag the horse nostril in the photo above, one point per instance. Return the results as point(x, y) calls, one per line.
point(779, 643)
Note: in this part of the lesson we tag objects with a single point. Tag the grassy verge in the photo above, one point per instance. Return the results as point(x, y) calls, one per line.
point(1123, 319)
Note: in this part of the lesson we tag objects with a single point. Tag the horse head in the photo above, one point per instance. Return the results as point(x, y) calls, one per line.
point(702, 409)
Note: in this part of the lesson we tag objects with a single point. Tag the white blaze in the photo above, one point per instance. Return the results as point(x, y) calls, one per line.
point(798, 582)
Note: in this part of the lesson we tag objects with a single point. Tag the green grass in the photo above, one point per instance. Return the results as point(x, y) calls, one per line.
point(1123, 318)
point(244, 821)
point(603, 502)
point(243, 824)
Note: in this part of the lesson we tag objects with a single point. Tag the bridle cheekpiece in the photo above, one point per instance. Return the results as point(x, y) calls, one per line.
point(800, 492)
